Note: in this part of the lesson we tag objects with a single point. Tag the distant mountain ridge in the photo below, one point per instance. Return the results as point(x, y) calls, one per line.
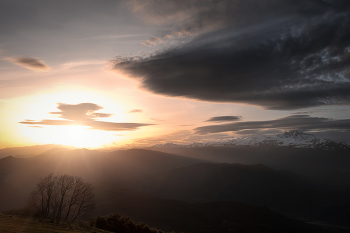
point(29, 151)
point(292, 138)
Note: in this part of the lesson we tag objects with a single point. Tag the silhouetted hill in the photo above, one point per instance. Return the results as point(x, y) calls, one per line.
point(174, 215)
point(10, 223)
point(305, 161)
point(334, 179)
point(82, 161)
point(254, 184)
point(283, 192)
point(28, 151)
point(189, 179)
point(150, 161)
point(9, 197)
point(121, 167)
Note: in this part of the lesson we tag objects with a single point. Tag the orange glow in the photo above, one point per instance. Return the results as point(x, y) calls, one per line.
point(74, 135)
point(39, 106)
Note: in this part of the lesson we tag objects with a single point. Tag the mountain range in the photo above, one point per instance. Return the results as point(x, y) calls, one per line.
point(292, 138)
point(220, 187)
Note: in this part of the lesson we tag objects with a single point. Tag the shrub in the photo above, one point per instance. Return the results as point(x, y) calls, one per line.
point(121, 223)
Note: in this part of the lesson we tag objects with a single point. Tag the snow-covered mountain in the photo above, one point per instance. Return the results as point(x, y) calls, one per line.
point(293, 138)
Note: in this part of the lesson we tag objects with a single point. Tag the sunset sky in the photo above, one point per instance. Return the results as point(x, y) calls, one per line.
point(94, 73)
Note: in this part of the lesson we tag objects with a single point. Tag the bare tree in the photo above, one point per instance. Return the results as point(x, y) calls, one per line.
point(65, 195)
point(49, 184)
point(65, 184)
point(43, 193)
point(83, 202)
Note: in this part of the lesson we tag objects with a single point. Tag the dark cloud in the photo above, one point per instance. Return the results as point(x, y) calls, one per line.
point(85, 114)
point(317, 111)
point(275, 54)
point(225, 118)
point(30, 63)
point(136, 111)
point(335, 135)
point(298, 122)
point(181, 137)
point(259, 132)
point(193, 17)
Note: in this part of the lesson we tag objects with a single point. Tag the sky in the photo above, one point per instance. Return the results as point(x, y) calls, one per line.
point(130, 73)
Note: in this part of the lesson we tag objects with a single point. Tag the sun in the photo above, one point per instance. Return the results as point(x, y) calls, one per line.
point(38, 107)
point(78, 136)
point(71, 135)
point(81, 136)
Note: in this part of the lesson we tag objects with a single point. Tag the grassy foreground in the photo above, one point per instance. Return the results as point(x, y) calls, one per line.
point(16, 224)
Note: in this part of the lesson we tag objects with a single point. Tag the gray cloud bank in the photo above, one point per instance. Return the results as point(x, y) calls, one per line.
point(277, 54)
point(224, 118)
point(84, 114)
point(29, 63)
point(298, 122)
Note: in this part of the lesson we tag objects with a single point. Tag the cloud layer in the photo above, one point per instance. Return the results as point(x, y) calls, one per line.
point(136, 111)
point(85, 114)
point(298, 122)
point(275, 54)
point(225, 118)
point(30, 63)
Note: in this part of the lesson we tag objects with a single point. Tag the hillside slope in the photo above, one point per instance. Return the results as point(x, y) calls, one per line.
point(119, 167)
point(174, 215)
point(15, 224)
